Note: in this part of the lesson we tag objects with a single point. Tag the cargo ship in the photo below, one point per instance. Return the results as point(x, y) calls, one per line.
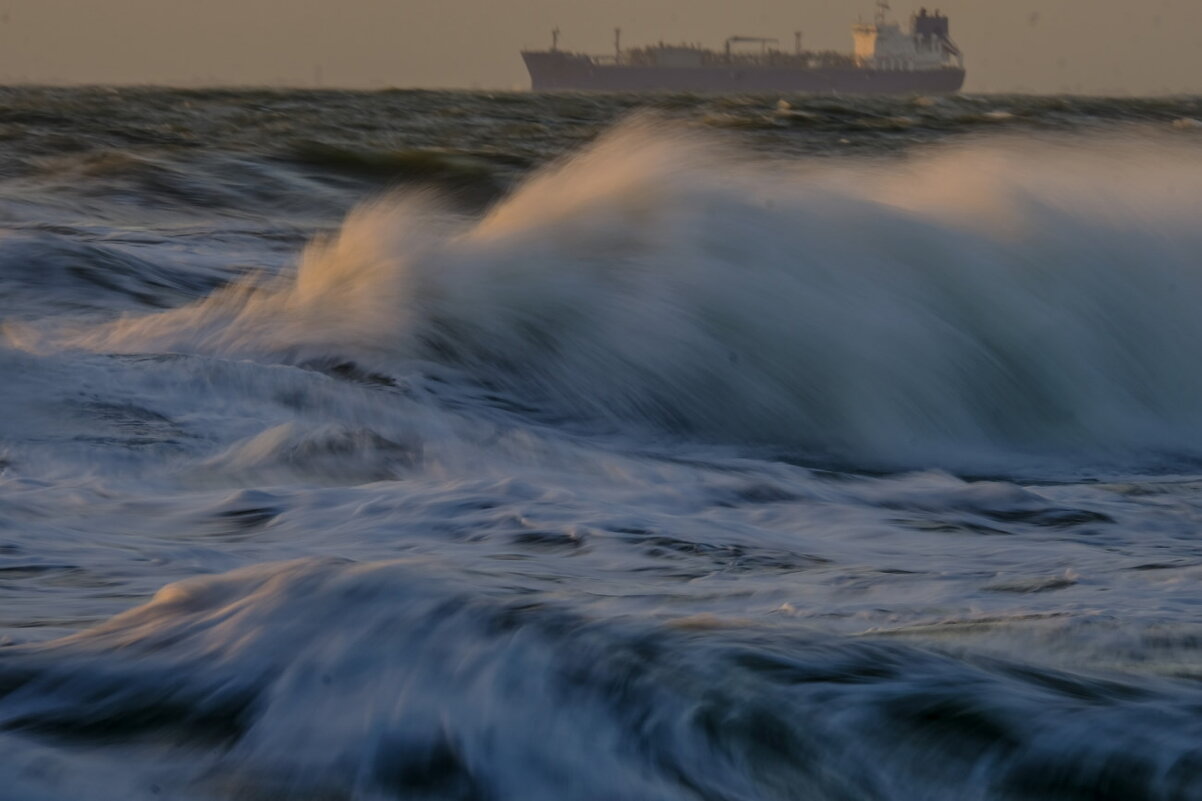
point(886, 60)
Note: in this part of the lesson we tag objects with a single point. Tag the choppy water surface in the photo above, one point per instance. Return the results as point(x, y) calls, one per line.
point(459, 446)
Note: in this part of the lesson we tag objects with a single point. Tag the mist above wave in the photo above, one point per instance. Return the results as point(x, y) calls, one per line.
point(966, 307)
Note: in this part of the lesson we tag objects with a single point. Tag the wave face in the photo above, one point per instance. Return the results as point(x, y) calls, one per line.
point(831, 455)
point(984, 307)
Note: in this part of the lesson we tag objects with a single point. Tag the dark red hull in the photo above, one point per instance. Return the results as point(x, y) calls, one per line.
point(552, 71)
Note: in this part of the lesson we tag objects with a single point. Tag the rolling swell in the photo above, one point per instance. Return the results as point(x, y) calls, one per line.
point(996, 305)
point(443, 495)
point(85, 275)
point(427, 686)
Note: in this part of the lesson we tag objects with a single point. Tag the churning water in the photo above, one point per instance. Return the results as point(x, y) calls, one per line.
point(468, 447)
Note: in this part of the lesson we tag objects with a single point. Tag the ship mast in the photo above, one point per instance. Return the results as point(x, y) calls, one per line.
point(882, 11)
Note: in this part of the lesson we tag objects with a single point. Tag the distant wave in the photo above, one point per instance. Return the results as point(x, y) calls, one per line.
point(968, 307)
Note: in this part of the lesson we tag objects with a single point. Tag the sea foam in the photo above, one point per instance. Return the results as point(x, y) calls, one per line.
point(969, 307)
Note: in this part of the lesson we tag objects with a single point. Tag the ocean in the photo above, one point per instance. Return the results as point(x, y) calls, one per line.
point(476, 447)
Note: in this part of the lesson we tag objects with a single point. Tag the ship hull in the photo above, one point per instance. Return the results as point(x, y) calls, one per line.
point(557, 72)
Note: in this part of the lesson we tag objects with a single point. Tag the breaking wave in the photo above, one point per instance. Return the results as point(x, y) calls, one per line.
point(968, 308)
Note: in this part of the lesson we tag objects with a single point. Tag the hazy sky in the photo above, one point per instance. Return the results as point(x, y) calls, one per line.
point(1093, 46)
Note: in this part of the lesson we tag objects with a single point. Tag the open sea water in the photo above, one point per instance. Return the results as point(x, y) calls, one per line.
point(478, 447)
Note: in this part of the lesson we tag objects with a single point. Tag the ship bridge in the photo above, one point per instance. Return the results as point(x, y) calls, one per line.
point(884, 45)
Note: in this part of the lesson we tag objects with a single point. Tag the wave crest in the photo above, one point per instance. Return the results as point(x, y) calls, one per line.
point(959, 308)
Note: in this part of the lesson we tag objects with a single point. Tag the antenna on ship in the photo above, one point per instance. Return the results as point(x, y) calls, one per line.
point(882, 11)
point(797, 42)
point(554, 38)
point(617, 44)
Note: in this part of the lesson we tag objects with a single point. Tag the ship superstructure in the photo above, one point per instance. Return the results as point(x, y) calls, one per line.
point(886, 60)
